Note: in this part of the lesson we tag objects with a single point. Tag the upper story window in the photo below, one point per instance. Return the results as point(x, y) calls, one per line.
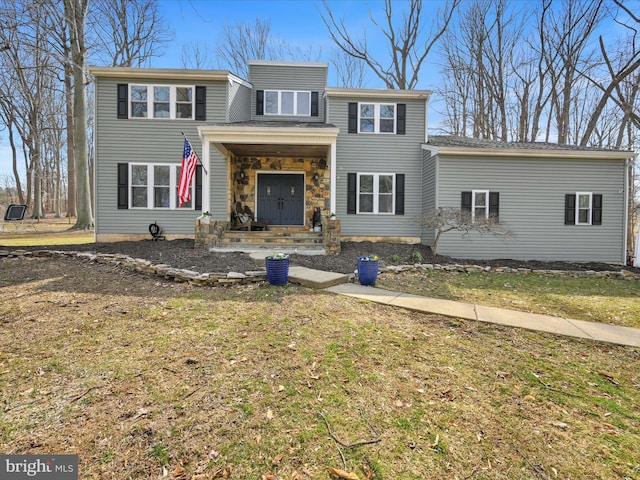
point(285, 102)
point(161, 101)
point(377, 118)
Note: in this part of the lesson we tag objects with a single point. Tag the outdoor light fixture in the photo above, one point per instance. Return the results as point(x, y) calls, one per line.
point(316, 177)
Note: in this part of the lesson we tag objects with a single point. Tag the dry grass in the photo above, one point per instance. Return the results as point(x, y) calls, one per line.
point(137, 375)
point(606, 300)
point(47, 231)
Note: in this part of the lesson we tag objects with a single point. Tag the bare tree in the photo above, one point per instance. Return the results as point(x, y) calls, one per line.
point(196, 55)
point(449, 219)
point(75, 15)
point(407, 41)
point(128, 33)
point(242, 42)
point(349, 70)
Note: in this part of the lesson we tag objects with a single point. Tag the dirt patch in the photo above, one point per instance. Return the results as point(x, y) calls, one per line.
point(183, 254)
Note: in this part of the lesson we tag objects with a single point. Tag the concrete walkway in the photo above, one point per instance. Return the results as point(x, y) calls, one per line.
point(543, 323)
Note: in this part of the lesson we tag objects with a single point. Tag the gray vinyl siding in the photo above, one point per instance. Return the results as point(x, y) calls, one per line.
point(380, 153)
point(218, 186)
point(532, 202)
point(429, 182)
point(239, 102)
point(310, 78)
point(145, 141)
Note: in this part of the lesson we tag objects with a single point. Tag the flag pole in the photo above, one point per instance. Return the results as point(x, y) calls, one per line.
point(199, 161)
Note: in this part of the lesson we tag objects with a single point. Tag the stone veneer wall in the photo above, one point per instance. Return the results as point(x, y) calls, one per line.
point(316, 191)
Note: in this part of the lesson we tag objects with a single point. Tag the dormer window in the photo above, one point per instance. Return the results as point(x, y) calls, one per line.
point(287, 102)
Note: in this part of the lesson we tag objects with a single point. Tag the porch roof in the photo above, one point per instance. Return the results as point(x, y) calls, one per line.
point(274, 139)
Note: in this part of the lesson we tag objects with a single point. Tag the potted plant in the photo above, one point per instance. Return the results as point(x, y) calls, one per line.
point(205, 217)
point(277, 265)
point(368, 269)
point(333, 216)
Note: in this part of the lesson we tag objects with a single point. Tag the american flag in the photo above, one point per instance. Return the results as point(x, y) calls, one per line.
point(189, 163)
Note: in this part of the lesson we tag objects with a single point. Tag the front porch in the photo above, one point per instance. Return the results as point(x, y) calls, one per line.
point(279, 177)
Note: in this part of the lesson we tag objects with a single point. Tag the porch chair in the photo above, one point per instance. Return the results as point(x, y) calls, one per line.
point(243, 219)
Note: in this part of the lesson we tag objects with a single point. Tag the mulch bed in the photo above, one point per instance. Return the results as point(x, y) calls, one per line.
point(182, 254)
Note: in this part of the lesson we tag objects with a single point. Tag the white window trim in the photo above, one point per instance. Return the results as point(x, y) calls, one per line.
point(473, 203)
point(376, 193)
point(173, 186)
point(295, 103)
point(590, 214)
point(173, 101)
point(376, 117)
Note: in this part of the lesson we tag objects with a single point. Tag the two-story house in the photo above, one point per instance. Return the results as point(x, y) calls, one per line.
point(284, 146)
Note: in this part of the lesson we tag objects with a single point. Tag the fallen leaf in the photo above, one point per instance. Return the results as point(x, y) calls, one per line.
point(555, 423)
point(277, 459)
point(269, 414)
point(179, 473)
point(281, 388)
point(343, 474)
point(270, 476)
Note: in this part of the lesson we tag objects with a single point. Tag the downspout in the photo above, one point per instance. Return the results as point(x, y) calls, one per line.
point(206, 200)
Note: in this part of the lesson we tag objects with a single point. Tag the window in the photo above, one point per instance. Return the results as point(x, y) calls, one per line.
point(481, 204)
point(161, 101)
point(151, 186)
point(583, 208)
point(375, 193)
point(377, 118)
point(279, 102)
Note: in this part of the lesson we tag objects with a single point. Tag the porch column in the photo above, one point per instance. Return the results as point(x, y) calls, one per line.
point(332, 182)
point(206, 183)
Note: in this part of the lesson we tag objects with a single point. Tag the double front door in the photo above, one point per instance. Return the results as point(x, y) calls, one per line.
point(281, 198)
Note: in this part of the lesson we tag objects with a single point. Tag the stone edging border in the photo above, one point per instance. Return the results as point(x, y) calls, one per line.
point(458, 268)
point(145, 266)
point(229, 278)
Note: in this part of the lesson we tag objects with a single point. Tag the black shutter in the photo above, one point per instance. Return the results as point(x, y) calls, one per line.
point(198, 188)
point(465, 203)
point(494, 205)
point(123, 100)
point(259, 102)
point(351, 192)
point(402, 119)
point(201, 103)
point(399, 193)
point(596, 209)
point(123, 186)
point(314, 104)
point(570, 209)
point(353, 118)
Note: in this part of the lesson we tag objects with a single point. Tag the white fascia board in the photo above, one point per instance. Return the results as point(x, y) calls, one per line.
point(160, 73)
point(376, 93)
point(531, 153)
point(268, 135)
point(280, 63)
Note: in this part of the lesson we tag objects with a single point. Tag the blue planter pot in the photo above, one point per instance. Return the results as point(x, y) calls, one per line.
point(277, 270)
point(367, 271)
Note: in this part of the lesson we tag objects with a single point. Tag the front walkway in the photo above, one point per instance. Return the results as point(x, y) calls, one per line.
point(600, 332)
